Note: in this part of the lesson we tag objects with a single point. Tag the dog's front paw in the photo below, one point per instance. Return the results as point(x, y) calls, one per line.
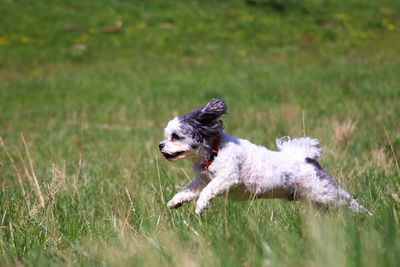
point(199, 211)
point(173, 204)
point(200, 207)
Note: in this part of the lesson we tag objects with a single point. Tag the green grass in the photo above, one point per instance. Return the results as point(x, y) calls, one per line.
point(272, 61)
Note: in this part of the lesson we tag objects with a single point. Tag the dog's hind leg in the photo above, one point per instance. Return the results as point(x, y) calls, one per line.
point(326, 191)
point(335, 197)
point(345, 199)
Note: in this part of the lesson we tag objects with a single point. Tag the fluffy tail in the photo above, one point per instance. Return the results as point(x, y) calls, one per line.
point(304, 147)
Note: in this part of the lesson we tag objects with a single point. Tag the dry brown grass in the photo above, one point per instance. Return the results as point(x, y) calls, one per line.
point(35, 181)
point(381, 162)
point(58, 179)
point(344, 131)
point(392, 150)
point(76, 184)
point(16, 172)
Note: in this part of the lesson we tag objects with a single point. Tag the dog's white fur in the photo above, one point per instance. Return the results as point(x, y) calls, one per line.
point(247, 170)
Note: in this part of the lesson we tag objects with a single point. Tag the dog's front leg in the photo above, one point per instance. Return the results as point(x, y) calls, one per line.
point(216, 187)
point(192, 191)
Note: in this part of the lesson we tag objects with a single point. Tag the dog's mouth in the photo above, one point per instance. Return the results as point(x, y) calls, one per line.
point(173, 156)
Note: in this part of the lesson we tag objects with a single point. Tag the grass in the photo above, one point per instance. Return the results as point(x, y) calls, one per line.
point(335, 65)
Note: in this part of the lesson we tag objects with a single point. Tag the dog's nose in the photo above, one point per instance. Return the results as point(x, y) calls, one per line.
point(161, 145)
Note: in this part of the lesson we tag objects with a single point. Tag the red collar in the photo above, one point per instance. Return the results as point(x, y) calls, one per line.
point(214, 153)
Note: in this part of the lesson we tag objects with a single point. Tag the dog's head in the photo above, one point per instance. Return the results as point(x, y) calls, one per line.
point(186, 135)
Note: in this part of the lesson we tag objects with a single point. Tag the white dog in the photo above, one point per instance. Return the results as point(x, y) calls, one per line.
point(225, 163)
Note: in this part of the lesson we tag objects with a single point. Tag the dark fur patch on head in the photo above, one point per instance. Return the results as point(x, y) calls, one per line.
point(204, 120)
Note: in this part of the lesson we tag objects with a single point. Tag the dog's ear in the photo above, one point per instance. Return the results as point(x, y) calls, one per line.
point(204, 120)
point(213, 110)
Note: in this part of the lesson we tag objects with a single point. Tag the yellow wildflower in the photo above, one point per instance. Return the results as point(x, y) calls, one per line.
point(4, 41)
point(341, 16)
point(390, 27)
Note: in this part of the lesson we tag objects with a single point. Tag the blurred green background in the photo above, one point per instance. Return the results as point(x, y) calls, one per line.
point(120, 70)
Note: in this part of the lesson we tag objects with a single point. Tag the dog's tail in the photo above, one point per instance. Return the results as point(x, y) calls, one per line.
point(304, 147)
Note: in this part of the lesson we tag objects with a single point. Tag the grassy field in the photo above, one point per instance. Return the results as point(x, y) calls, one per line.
point(117, 71)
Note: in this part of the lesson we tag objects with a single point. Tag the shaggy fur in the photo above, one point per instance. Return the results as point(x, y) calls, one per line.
point(247, 170)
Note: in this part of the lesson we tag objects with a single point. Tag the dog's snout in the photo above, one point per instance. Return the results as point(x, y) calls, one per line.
point(161, 145)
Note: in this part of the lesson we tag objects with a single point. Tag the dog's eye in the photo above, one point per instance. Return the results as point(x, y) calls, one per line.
point(176, 137)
